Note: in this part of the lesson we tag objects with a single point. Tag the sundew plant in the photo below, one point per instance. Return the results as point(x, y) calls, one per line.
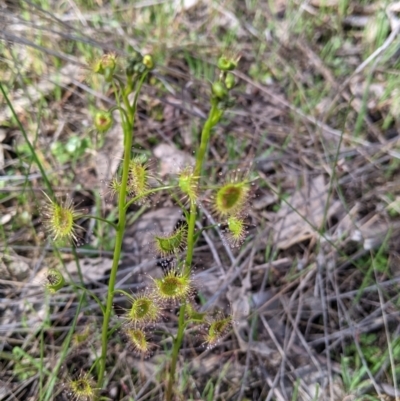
point(132, 183)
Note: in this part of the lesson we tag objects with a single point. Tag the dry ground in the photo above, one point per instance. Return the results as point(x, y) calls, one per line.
point(315, 287)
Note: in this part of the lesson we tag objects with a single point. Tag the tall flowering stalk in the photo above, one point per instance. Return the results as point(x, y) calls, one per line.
point(133, 184)
point(219, 101)
point(136, 73)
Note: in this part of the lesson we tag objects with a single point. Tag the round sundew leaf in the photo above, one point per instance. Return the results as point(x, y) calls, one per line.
point(217, 329)
point(83, 388)
point(174, 286)
point(144, 310)
point(138, 180)
point(59, 219)
point(236, 230)
point(171, 244)
point(230, 198)
point(188, 183)
point(138, 340)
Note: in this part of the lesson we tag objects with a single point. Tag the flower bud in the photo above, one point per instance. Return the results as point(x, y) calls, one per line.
point(103, 121)
point(229, 81)
point(219, 90)
point(148, 61)
point(97, 67)
point(108, 64)
point(133, 60)
point(225, 64)
point(109, 61)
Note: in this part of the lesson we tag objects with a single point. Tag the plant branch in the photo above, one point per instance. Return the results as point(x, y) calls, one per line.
point(128, 125)
point(213, 118)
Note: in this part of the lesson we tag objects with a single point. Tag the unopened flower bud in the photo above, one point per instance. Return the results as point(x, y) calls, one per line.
point(148, 61)
point(103, 121)
point(225, 64)
point(108, 63)
point(229, 81)
point(219, 90)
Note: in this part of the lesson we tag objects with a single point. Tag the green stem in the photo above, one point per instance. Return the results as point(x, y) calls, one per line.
point(213, 118)
point(190, 236)
point(175, 351)
point(128, 124)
